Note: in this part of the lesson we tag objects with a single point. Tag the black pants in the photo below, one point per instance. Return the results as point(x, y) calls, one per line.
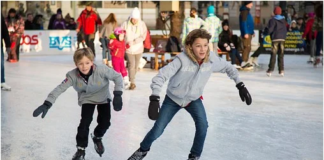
point(260, 50)
point(89, 40)
point(103, 120)
point(277, 48)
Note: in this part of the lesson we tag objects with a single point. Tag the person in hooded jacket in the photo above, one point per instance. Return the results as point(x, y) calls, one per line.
point(277, 30)
point(187, 75)
point(136, 31)
point(53, 18)
point(310, 36)
point(214, 27)
point(226, 44)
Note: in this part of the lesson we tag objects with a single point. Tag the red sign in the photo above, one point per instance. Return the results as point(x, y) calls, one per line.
point(29, 40)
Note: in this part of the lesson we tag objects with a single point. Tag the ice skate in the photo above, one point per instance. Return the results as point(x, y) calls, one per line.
point(79, 155)
point(126, 82)
point(5, 87)
point(192, 157)
point(317, 62)
point(311, 60)
point(269, 73)
point(100, 149)
point(138, 155)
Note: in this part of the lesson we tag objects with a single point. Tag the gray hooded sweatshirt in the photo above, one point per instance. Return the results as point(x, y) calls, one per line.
point(97, 89)
point(188, 78)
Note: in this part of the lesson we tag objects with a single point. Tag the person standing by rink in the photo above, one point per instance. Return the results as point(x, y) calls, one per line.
point(6, 39)
point(87, 24)
point(277, 29)
point(191, 23)
point(214, 28)
point(195, 64)
point(318, 26)
point(91, 81)
point(136, 31)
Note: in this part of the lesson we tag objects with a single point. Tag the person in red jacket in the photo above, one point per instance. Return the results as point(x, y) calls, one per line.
point(310, 35)
point(117, 48)
point(87, 24)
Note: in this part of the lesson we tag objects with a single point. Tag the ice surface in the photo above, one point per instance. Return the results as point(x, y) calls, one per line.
point(285, 120)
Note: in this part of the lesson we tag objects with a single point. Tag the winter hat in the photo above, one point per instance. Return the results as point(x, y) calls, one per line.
point(293, 21)
point(225, 23)
point(277, 10)
point(311, 15)
point(59, 11)
point(211, 10)
point(135, 14)
point(246, 2)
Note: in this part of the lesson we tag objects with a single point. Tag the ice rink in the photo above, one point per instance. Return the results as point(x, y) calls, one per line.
point(284, 122)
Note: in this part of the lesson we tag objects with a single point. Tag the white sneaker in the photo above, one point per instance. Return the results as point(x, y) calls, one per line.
point(5, 87)
point(126, 82)
point(236, 66)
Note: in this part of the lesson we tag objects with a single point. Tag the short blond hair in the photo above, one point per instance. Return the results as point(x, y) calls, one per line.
point(80, 53)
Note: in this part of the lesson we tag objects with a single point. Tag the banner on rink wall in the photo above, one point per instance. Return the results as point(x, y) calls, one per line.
point(294, 42)
point(50, 42)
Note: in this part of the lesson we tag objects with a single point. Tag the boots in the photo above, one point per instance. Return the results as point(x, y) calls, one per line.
point(79, 155)
point(105, 61)
point(132, 86)
point(100, 149)
point(126, 82)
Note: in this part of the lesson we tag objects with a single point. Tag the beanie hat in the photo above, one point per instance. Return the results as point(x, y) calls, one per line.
point(277, 10)
point(246, 2)
point(311, 15)
point(211, 10)
point(135, 14)
point(225, 23)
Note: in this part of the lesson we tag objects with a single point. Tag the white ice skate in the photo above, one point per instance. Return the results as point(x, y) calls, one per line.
point(126, 82)
point(5, 87)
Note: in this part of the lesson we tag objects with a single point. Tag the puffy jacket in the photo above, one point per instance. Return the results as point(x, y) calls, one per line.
point(117, 48)
point(224, 37)
point(308, 30)
point(135, 36)
point(88, 22)
point(277, 28)
point(246, 21)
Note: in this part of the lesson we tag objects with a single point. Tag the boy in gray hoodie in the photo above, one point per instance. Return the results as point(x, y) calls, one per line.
point(91, 81)
point(188, 74)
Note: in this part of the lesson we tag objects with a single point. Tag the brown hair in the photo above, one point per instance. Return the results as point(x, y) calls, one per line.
point(80, 53)
point(111, 19)
point(190, 39)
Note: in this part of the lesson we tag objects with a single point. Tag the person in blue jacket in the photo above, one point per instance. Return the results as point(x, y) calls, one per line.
point(187, 75)
point(247, 31)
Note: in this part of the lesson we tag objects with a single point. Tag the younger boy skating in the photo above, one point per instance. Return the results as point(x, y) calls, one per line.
point(91, 81)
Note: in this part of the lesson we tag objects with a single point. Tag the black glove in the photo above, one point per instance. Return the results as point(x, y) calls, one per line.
point(244, 93)
point(42, 109)
point(118, 101)
point(154, 107)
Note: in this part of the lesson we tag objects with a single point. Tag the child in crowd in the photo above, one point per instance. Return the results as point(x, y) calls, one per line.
point(188, 74)
point(91, 81)
point(226, 44)
point(117, 48)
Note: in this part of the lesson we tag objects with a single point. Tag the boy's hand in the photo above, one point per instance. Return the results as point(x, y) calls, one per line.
point(118, 101)
point(244, 93)
point(42, 109)
point(154, 107)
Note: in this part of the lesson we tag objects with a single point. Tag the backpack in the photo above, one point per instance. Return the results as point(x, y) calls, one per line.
point(173, 45)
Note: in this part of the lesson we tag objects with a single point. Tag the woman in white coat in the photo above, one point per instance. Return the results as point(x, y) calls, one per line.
point(136, 31)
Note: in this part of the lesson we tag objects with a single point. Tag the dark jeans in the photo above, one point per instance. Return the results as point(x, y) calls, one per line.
point(89, 40)
point(105, 50)
point(103, 120)
point(2, 66)
point(319, 42)
point(18, 47)
point(168, 110)
point(277, 48)
point(235, 54)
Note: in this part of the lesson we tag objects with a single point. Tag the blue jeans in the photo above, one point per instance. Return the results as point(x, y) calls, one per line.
point(235, 54)
point(168, 110)
point(319, 42)
point(105, 49)
point(2, 66)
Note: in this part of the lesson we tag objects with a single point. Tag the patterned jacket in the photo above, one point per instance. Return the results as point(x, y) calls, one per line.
point(15, 25)
point(190, 24)
point(214, 27)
